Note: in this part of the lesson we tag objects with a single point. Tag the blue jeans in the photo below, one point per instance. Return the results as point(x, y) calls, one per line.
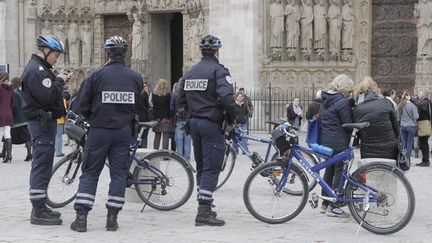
point(408, 134)
point(243, 141)
point(59, 139)
point(183, 141)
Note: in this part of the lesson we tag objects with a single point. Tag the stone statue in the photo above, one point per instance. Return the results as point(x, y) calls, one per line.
point(58, 4)
point(162, 4)
point(154, 3)
point(47, 28)
point(59, 32)
point(86, 4)
point(194, 38)
point(86, 35)
point(307, 16)
point(320, 27)
point(335, 24)
point(277, 24)
point(73, 44)
point(422, 12)
point(348, 25)
point(138, 45)
point(292, 11)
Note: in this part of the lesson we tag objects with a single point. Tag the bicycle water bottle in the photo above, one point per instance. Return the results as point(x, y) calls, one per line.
point(322, 149)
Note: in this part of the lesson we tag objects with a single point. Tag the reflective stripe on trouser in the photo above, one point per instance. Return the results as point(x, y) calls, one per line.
point(209, 147)
point(43, 156)
point(102, 143)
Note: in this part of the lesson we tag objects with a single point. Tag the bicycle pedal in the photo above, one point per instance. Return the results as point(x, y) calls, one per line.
point(313, 204)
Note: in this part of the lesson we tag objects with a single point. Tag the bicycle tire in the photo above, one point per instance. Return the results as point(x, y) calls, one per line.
point(160, 202)
point(71, 164)
point(227, 166)
point(312, 183)
point(269, 171)
point(391, 185)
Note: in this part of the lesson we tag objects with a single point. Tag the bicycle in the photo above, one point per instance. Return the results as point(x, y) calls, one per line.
point(254, 157)
point(379, 196)
point(162, 179)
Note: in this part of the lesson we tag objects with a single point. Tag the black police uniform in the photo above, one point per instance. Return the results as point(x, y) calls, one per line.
point(43, 104)
point(107, 100)
point(207, 91)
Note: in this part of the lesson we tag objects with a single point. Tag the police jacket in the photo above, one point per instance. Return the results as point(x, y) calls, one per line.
point(42, 90)
point(334, 112)
point(380, 138)
point(107, 96)
point(206, 90)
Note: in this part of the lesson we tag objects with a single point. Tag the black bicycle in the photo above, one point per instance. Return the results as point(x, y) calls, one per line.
point(162, 179)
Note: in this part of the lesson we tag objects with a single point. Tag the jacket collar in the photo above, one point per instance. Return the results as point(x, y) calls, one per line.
point(115, 61)
point(210, 58)
point(365, 97)
point(41, 61)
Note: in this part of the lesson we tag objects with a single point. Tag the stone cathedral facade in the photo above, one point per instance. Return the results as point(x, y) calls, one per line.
point(291, 44)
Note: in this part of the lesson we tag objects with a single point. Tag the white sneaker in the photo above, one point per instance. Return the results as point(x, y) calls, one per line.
point(336, 212)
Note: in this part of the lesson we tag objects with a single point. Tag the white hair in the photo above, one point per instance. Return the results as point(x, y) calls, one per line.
point(318, 94)
point(342, 83)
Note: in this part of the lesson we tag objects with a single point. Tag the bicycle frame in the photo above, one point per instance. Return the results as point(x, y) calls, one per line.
point(346, 155)
point(238, 136)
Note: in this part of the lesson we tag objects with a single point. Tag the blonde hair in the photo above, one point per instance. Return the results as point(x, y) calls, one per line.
point(162, 88)
point(342, 83)
point(367, 84)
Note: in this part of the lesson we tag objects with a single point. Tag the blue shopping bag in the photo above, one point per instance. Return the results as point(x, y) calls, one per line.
point(313, 131)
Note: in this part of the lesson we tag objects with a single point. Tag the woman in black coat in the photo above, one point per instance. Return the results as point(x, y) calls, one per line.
point(380, 138)
point(143, 110)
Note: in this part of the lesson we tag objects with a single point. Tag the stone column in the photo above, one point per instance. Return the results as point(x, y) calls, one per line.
point(2, 31)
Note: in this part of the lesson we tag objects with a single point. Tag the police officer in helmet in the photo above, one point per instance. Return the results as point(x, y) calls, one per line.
point(207, 93)
point(43, 104)
point(107, 100)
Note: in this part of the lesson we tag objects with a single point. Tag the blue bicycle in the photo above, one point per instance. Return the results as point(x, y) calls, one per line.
point(254, 157)
point(378, 195)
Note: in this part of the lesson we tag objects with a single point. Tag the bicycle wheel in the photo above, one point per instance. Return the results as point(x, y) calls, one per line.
point(63, 185)
point(262, 199)
point(395, 201)
point(313, 160)
point(227, 166)
point(169, 192)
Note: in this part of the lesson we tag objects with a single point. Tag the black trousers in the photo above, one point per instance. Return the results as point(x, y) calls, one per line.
point(424, 148)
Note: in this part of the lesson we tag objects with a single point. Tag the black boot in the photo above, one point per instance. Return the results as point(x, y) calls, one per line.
point(55, 214)
point(206, 217)
point(80, 223)
point(41, 216)
point(8, 155)
point(29, 156)
point(111, 223)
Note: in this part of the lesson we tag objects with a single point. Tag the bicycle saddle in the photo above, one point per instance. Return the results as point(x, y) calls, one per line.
point(359, 125)
point(149, 124)
point(277, 121)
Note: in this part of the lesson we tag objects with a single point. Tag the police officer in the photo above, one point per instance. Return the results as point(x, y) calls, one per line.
point(206, 91)
point(107, 99)
point(43, 104)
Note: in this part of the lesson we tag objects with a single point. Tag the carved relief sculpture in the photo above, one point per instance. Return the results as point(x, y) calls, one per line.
point(58, 4)
point(348, 28)
point(292, 11)
point(111, 6)
point(72, 5)
point(86, 5)
point(100, 5)
point(277, 28)
point(73, 44)
point(307, 17)
point(59, 32)
point(47, 28)
point(86, 35)
point(335, 24)
point(320, 27)
point(422, 12)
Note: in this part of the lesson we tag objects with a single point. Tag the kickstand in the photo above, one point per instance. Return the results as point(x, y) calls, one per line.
point(145, 204)
point(361, 222)
point(366, 209)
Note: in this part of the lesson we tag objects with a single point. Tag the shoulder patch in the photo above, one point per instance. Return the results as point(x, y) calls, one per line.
point(47, 83)
point(229, 80)
point(41, 68)
point(195, 84)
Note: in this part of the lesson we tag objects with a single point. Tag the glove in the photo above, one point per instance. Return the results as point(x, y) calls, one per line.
point(45, 118)
point(228, 131)
point(230, 118)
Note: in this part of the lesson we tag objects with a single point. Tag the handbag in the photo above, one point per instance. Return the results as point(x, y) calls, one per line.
point(313, 130)
point(424, 128)
point(402, 160)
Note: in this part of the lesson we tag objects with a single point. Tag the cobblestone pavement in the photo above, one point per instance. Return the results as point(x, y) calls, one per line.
point(178, 225)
